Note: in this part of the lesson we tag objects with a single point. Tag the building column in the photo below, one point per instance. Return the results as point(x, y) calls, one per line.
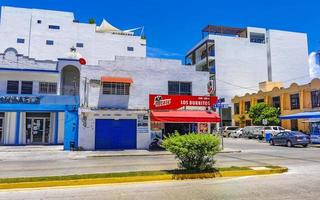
point(301, 99)
point(17, 136)
point(282, 103)
point(56, 127)
point(70, 129)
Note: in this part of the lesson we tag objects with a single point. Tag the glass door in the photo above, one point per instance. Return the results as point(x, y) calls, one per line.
point(1, 131)
point(37, 130)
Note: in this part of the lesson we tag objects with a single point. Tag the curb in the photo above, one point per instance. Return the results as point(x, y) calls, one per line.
point(144, 154)
point(129, 179)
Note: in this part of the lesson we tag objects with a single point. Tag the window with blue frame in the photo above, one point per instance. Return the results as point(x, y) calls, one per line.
point(12, 87)
point(257, 38)
point(79, 45)
point(130, 49)
point(49, 42)
point(20, 40)
point(26, 87)
point(54, 27)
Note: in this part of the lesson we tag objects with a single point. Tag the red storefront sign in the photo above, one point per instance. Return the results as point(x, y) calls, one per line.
point(174, 102)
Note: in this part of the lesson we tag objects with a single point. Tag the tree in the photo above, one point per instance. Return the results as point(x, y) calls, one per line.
point(194, 151)
point(92, 21)
point(262, 111)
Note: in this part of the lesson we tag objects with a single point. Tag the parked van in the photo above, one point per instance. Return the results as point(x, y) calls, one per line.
point(273, 130)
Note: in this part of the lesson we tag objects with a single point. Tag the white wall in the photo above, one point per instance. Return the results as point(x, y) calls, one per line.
point(240, 64)
point(289, 57)
point(149, 75)
point(87, 133)
point(22, 23)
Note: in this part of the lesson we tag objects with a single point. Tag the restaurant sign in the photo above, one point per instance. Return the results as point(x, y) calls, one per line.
point(19, 100)
point(174, 102)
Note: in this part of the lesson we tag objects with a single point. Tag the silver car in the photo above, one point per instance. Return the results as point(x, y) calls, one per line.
point(252, 132)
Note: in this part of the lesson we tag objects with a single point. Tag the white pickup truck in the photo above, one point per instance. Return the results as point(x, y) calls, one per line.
point(273, 130)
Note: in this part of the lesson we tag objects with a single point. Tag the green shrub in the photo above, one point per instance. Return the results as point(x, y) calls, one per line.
point(194, 151)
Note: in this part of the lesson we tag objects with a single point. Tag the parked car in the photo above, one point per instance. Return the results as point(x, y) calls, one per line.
point(290, 139)
point(236, 133)
point(226, 130)
point(252, 132)
point(273, 130)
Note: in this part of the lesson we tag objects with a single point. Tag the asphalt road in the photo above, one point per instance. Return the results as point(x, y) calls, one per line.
point(301, 182)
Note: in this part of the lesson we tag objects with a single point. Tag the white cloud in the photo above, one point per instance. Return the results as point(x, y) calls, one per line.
point(160, 53)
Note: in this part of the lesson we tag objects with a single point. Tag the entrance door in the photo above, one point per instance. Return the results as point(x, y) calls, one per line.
point(38, 130)
point(116, 134)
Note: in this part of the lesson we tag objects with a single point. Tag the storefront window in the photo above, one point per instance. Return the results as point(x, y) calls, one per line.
point(179, 88)
point(116, 88)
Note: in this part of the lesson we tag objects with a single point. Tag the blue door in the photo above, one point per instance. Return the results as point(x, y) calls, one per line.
point(116, 134)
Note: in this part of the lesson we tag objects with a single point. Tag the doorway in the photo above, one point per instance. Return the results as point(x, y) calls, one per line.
point(70, 80)
point(1, 128)
point(38, 128)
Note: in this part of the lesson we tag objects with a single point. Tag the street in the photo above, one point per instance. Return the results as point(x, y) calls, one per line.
point(301, 182)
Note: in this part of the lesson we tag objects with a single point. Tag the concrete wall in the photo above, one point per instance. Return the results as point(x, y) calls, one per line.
point(23, 23)
point(289, 57)
point(149, 75)
point(240, 65)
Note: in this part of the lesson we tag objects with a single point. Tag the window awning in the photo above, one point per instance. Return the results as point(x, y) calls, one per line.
point(184, 116)
point(302, 115)
point(111, 79)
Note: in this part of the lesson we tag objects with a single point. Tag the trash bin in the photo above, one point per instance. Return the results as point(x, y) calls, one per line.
point(72, 146)
point(268, 137)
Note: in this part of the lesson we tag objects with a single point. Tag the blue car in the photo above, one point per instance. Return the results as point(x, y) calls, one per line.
point(290, 139)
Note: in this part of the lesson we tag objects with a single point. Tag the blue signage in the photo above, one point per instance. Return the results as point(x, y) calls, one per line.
point(19, 100)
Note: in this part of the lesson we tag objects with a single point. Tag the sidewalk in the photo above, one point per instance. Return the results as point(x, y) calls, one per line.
point(141, 153)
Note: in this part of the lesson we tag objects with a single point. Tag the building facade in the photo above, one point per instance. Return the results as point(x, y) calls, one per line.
point(105, 106)
point(290, 100)
point(239, 58)
point(48, 35)
point(88, 86)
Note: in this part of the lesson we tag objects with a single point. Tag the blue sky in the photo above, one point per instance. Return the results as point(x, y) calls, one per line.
point(172, 27)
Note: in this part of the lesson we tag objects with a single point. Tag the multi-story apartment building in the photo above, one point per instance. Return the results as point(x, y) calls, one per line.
point(297, 103)
point(48, 35)
point(239, 58)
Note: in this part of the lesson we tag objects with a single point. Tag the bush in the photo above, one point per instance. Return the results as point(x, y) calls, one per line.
point(194, 151)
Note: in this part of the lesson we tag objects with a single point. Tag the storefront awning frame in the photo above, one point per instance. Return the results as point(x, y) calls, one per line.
point(178, 116)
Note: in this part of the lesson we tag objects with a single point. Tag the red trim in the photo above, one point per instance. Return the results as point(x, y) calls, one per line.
point(111, 79)
point(184, 116)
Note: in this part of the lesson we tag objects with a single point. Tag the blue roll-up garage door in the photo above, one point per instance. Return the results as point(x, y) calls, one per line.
point(116, 134)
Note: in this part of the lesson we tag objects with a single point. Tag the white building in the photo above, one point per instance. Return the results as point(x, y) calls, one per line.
point(48, 97)
point(239, 58)
point(244, 57)
point(36, 98)
point(48, 35)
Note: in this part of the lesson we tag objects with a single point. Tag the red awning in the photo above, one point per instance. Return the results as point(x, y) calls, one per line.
point(111, 79)
point(184, 116)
